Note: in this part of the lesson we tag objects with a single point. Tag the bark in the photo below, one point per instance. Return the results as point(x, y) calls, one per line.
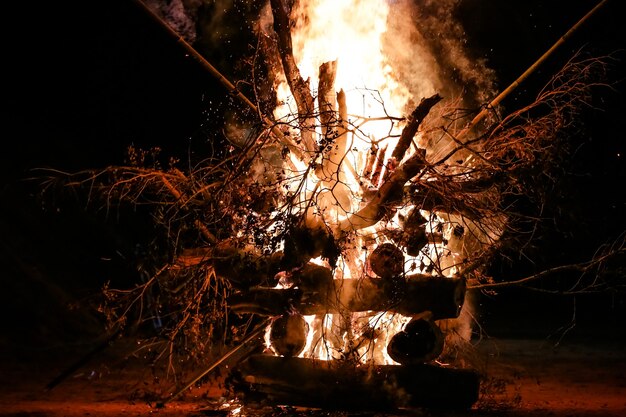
point(442, 296)
point(371, 158)
point(334, 137)
point(327, 99)
point(375, 177)
point(344, 386)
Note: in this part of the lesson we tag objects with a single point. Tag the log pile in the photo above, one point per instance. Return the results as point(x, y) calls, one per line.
point(289, 286)
point(285, 379)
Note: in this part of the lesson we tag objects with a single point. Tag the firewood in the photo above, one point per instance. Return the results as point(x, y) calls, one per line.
point(420, 341)
point(343, 385)
point(392, 190)
point(390, 193)
point(442, 296)
point(327, 99)
point(334, 143)
point(288, 334)
point(387, 261)
point(300, 89)
point(413, 123)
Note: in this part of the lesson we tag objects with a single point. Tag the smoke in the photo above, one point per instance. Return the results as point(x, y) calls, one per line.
point(424, 39)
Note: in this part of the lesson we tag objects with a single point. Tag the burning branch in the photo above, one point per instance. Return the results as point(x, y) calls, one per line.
point(300, 89)
point(390, 193)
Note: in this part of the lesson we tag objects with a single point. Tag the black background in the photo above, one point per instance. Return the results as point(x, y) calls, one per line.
point(83, 81)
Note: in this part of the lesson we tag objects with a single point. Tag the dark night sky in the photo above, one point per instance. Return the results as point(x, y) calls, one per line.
point(83, 81)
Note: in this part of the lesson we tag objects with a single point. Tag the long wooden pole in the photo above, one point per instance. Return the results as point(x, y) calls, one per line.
point(483, 113)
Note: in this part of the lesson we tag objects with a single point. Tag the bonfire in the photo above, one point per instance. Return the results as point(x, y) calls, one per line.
point(357, 195)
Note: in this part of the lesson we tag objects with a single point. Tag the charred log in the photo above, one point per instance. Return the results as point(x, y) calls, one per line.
point(421, 341)
point(303, 243)
point(312, 277)
point(288, 334)
point(442, 296)
point(327, 99)
point(387, 261)
point(342, 385)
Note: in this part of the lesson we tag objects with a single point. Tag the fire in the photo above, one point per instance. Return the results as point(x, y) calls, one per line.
point(355, 38)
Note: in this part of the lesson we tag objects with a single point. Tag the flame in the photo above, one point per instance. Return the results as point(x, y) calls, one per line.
point(357, 34)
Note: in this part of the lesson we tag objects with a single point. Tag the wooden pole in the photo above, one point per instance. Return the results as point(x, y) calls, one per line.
point(483, 113)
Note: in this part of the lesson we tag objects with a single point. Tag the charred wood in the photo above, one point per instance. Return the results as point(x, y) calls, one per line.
point(421, 341)
point(345, 386)
point(327, 99)
point(387, 261)
point(414, 121)
point(303, 243)
point(243, 266)
point(288, 334)
point(389, 194)
point(299, 87)
point(442, 296)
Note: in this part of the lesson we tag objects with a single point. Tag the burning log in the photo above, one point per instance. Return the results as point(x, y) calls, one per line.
point(327, 98)
point(333, 114)
point(414, 235)
point(387, 261)
point(341, 385)
point(299, 87)
point(442, 296)
point(288, 334)
point(421, 341)
point(304, 242)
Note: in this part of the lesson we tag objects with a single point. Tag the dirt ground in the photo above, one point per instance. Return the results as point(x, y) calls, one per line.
point(524, 377)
